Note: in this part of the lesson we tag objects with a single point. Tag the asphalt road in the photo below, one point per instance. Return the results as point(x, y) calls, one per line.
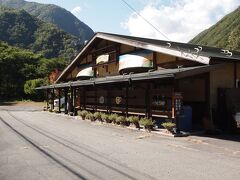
point(41, 145)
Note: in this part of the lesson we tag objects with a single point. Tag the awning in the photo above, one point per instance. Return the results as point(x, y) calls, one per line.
point(158, 74)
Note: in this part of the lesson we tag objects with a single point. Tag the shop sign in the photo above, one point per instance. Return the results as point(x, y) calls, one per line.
point(159, 101)
point(141, 59)
point(102, 59)
point(101, 100)
point(118, 100)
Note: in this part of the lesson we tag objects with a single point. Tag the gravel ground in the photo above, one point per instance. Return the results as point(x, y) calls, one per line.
point(42, 145)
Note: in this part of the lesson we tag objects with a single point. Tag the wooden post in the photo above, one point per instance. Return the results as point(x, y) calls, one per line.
point(147, 112)
point(95, 89)
point(52, 108)
point(154, 60)
point(176, 89)
point(84, 98)
point(126, 105)
point(59, 100)
point(65, 100)
point(108, 99)
point(150, 100)
point(235, 75)
point(74, 101)
point(47, 97)
point(71, 99)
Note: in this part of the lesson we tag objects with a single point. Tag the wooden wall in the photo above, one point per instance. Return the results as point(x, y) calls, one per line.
point(193, 89)
point(125, 49)
point(73, 74)
point(238, 71)
point(136, 98)
point(164, 58)
point(112, 68)
point(222, 77)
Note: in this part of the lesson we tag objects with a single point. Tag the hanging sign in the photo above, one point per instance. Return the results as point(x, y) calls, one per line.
point(141, 59)
point(118, 100)
point(86, 72)
point(101, 100)
point(102, 59)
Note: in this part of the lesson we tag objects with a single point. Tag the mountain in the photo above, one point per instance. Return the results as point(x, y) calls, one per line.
point(224, 34)
point(55, 15)
point(19, 28)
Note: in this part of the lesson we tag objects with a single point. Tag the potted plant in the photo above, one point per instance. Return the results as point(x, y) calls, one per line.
point(82, 114)
point(113, 117)
point(90, 116)
point(70, 113)
point(169, 126)
point(134, 120)
point(97, 116)
point(105, 118)
point(147, 123)
point(56, 111)
point(122, 121)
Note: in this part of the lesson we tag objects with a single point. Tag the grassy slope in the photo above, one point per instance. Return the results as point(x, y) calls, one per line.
point(224, 34)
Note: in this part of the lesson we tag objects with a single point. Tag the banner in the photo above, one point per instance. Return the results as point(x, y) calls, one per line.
point(86, 72)
point(138, 59)
point(102, 59)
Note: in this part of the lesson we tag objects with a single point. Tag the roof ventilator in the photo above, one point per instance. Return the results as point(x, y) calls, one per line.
point(169, 44)
point(124, 74)
point(149, 71)
point(227, 52)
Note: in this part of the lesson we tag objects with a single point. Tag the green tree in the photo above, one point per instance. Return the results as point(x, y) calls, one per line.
point(21, 71)
point(30, 88)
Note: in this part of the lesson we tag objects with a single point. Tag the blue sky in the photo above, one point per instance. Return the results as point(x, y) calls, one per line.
point(100, 15)
point(179, 20)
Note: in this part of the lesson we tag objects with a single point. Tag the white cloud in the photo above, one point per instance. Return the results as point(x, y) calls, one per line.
point(76, 11)
point(179, 20)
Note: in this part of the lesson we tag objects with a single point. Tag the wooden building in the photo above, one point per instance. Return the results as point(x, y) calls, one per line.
point(148, 77)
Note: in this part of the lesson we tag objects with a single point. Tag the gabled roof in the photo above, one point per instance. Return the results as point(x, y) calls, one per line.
point(202, 54)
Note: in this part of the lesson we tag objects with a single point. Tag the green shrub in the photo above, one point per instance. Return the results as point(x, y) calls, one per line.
point(121, 120)
point(168, 125)
point(90, 116)
point(105, 117)
point(44, 108)
point(83, 114)
point(30, 88)
point(97, 116)
point(56, 111)
point(147, 123)
point(113, 117)
point(70, 113)
point(134, 120)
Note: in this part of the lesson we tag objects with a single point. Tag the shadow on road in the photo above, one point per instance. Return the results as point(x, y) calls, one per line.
point(227, 137)
point(5, 103)
point(43, 151)
point(88, 156)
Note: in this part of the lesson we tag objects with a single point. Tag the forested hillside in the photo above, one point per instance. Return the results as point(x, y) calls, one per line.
point(224, 34)
point(19, 67)
point(53, 14)
point(18, 28)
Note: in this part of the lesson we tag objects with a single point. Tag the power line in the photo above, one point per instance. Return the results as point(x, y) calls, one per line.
point(145, 19)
